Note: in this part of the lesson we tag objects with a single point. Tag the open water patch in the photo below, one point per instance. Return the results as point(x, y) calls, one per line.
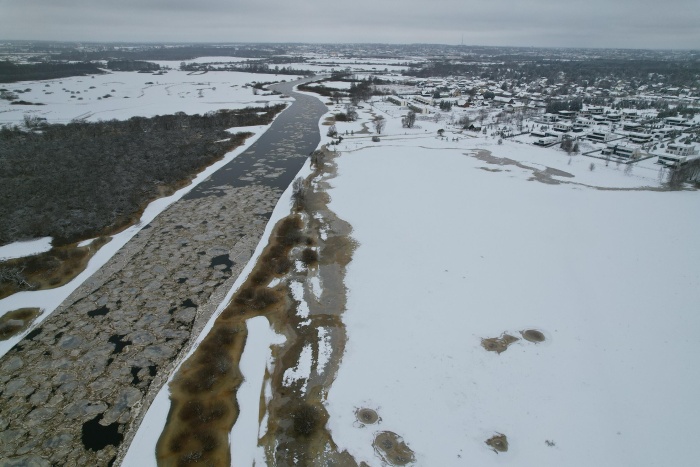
point(96, 436)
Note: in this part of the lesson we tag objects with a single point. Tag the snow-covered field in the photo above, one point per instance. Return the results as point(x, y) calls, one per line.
point(134, 94)
point(453, 249)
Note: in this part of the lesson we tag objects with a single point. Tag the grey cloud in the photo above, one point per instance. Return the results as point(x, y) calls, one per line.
point(597, 23)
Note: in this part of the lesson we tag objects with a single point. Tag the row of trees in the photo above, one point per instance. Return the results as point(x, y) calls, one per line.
point(74, 181)
point(601, 72)
point(12, 72)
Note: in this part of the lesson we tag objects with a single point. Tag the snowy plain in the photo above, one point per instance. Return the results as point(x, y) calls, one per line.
point(453, 249)
point(82, 98)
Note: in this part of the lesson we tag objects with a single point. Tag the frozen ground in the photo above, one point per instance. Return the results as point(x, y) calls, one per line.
point(453, 249)
point(134, 94)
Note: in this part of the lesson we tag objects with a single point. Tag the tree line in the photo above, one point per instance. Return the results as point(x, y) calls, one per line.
point(12, 72)
point(76, 181)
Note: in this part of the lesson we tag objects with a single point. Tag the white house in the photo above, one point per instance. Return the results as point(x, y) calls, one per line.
point(562, 126)
point(639, 137)
point(672, 160)
point(621, 150)
point(600, 136)
point(679, 149)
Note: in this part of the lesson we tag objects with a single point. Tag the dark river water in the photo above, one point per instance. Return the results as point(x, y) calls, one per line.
point(276, 157)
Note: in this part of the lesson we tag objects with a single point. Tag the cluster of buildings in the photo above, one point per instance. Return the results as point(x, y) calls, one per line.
point(622, 133)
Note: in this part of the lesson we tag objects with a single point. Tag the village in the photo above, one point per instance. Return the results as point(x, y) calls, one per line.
point(626, 135)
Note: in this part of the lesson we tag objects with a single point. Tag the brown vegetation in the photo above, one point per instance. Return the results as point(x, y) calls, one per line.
point(16, 321)
point(498, 443)
point(498, 344)
point(204, 406)
point(48, 270)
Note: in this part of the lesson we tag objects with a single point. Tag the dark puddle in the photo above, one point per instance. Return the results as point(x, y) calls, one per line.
point(222, 260)
point(188, 304)
point(119, 344)
point(98, 312)
point(533, 335)
point(97, 437)
point(367, 416)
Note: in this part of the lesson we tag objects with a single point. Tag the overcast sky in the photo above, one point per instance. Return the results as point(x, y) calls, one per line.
point(550, 23)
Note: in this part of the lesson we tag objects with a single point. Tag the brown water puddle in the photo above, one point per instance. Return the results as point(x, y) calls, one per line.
point(203, 403)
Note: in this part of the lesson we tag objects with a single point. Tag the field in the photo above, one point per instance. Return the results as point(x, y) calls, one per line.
point(498, 293)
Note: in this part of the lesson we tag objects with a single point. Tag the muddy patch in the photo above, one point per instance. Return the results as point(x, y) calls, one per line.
point(533, 335)
point(367, 416)
point(498, 344)
point(498, 443)
point(392, 449)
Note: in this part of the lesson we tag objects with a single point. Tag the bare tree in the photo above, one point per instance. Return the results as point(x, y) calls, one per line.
point(409, 120)
point(379, 124)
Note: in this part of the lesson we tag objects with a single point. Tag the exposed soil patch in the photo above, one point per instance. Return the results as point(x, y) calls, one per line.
point(498, 443)
point(498, 344)
point(533, 335)
point(392, 449)
point(367, 416)
point(16, 321)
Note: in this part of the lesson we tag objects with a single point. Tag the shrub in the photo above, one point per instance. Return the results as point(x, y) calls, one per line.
point(306, 420)
point(309, 256)
point(289, 232)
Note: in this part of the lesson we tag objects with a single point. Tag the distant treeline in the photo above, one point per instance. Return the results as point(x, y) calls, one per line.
point(78, 180)
point(583, 72)
point(171, 53)
point(132, 65)
point(11, 72)
point(247, 67)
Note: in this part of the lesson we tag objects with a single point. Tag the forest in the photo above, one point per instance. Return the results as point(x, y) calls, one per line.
point(80, 180)
point(581, 72)
point(12, 73)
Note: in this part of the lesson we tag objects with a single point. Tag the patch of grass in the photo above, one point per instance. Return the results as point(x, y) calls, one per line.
point(256, 298)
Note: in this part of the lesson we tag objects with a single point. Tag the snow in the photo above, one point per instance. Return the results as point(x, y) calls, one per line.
point(450, 253)
point(316, 287)
point(49, 300)
point(26, 248)
point(297, 289)
point(256, 358)
point(132, 95)
point(302, 370)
